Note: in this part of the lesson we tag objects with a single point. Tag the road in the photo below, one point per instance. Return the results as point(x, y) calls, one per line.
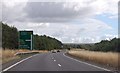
point(53, 62)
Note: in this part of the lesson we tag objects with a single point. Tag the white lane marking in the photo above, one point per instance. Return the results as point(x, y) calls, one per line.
point(87, 63)
point(59, 65)
point(54, 60)
point(18, 63)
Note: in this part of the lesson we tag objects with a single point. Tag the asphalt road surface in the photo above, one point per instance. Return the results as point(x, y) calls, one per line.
point(52, 62)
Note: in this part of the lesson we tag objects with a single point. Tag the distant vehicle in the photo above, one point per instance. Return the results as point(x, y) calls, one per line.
point(54, 51)
point(58, 50)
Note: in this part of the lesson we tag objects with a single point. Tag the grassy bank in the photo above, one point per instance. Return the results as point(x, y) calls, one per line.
point(0, 56)
point(8, 55)
point(106, 58)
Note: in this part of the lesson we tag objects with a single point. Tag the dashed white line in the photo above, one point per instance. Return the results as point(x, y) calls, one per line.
point(54, 60)
point(17, 63)
point(59, 65)
point(86, 63)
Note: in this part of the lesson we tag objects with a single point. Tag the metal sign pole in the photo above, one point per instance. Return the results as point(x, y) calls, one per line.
point(31, 42)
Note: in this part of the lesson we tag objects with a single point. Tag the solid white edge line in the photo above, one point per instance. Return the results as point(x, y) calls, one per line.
point(86, 63)
point(18, 63)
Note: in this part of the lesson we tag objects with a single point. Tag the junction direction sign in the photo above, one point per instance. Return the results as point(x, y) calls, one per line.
point(26, 40)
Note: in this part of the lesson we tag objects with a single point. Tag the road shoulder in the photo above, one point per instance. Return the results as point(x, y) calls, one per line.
point(90, 62)
point(9, 63)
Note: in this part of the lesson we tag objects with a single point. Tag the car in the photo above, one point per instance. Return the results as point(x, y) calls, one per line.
point(54, 51)
point(58, 50)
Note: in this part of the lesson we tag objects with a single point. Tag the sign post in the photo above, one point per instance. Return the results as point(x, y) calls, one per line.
point(26, 40)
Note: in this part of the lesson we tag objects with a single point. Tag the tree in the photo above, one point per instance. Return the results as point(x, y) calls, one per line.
point(105, 45)
point(46, 43)
point(9, 37)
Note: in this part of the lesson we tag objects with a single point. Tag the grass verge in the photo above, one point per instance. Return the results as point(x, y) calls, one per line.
point(8, 55)
point(106, 58)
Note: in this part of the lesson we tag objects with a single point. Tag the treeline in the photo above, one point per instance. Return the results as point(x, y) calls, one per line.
point(71, 45)
point(46, 42)
point(10, 39)
point(104, 45)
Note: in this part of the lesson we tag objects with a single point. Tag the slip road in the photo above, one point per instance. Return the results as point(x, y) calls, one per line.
point(52, 62)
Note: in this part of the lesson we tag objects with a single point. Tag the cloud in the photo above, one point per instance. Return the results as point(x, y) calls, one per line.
point(67, 21)
point(57, 11)
point(109, 36)
point(77, 33)
point(39, 25)
point(69, 33)
point(90, 32)
point(67, 11)
point(13, 13)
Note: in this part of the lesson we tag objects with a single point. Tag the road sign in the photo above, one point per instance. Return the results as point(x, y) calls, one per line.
point(26, 40)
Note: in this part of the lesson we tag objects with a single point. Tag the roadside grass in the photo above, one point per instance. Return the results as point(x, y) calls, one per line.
point(0, 56)
point(8, 55)
point(106, 58)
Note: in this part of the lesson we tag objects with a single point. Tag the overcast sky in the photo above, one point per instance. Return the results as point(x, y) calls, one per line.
point(76, 21)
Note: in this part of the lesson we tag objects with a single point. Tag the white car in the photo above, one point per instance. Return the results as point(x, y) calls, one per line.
point(54, 51)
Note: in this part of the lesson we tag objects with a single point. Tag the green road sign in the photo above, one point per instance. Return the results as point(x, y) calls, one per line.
point(26, 40)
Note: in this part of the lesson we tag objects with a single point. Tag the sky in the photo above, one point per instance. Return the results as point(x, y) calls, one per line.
point(70, 21)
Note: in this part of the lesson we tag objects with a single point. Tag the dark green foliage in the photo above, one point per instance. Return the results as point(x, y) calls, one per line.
point(104, 45)
point(46, 43)
point(86, 46)
point(9, 37)
point(10, 40)
point(69, 46)
point(118, 49)
point(78, 46)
